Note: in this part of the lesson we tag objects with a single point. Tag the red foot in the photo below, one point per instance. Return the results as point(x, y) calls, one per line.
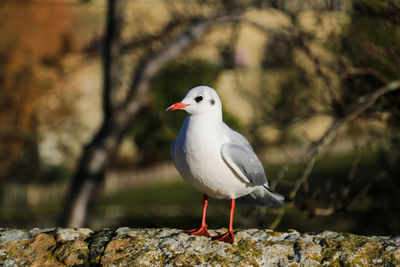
point(228, 237)
point(202, 231)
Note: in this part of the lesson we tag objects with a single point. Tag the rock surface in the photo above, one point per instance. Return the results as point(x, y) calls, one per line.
point(170, 247)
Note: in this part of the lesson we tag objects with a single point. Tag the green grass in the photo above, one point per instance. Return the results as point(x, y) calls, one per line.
point(172, 204)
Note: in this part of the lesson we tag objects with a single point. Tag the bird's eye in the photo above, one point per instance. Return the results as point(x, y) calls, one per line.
point(198, 99)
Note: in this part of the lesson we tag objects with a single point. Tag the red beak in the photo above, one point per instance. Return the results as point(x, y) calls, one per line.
point(176, 106)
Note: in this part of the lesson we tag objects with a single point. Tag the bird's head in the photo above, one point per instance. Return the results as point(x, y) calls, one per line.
point(199, 100)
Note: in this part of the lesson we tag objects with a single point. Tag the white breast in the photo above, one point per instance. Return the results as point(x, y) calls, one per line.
point(197, 156)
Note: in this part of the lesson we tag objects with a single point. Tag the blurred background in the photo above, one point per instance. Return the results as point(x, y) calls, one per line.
point(313, 85)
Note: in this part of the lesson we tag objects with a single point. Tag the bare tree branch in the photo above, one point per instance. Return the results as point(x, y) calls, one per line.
point(148, 40)
point(154, 62)
point(150, 65)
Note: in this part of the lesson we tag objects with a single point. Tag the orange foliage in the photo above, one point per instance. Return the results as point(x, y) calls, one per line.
point(33, 41)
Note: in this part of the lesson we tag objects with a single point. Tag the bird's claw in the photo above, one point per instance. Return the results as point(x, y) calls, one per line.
point(202, 231)
point(228, 237)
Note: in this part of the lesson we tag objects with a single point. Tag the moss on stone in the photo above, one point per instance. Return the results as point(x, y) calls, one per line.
point(97, 245)
point(149, 247)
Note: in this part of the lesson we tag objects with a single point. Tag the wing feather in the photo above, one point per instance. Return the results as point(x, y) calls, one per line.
point(244, 162)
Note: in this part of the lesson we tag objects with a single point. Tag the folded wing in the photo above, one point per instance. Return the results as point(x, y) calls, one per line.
point(245, 163)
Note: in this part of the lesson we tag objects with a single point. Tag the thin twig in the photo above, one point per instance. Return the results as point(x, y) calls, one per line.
point(278, 219)
point(304, 177)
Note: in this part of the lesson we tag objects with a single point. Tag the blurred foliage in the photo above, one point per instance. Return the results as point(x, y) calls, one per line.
point(285, 102)
point(25, 92)
point(277, 54)
point(30, 74)
point(19, 95)
point(371, 45)
point(155, 130)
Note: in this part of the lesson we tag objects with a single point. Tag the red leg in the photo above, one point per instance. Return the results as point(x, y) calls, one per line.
point(228, 237)
point(202, 231)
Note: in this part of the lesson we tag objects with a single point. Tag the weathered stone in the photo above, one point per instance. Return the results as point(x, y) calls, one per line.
point(171, 247)
point(70, 234)
point(36, 251)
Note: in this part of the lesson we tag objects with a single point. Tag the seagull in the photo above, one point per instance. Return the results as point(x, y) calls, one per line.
point(216, 160)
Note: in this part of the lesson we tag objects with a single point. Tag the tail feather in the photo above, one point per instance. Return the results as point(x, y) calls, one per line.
point(262, 196)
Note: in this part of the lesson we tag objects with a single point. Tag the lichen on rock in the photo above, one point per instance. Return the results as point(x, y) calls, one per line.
point(171, 247)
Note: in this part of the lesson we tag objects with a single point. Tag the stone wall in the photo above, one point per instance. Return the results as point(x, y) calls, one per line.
point(171, 247)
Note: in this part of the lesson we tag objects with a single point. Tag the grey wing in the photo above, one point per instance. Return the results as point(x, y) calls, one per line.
point(244, 162)
point(237, 138)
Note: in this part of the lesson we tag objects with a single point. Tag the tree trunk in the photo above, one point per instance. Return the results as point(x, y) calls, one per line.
point(98, 154)
point(97, 157)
